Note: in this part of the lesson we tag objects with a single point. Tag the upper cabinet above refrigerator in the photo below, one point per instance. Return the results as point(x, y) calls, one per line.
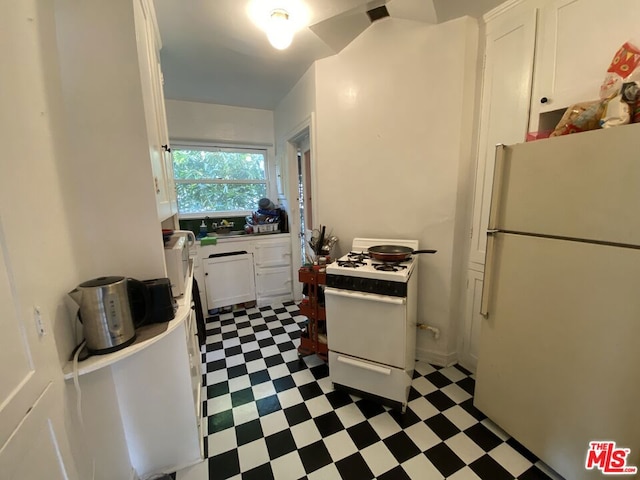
point(576, 41)
point(541, 56)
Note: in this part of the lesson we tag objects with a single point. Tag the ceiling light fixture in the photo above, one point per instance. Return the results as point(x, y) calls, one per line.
point(280, 30)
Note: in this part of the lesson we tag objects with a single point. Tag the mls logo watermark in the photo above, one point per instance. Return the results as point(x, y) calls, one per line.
point(610, 460)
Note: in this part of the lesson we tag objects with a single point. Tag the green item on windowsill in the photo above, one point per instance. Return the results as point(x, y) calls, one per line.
point(208, 241)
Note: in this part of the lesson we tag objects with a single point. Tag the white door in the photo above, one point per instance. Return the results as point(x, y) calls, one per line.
point(506, 94)
point(559, 359)
point(30, 425)
point(31, 408)
point(37, 449)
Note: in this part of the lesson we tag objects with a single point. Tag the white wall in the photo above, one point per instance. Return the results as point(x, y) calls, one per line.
point(107, 170)
point(394, 116)
point(207, 122)
point(449, 9)
point(219, 123)
point(295, 107)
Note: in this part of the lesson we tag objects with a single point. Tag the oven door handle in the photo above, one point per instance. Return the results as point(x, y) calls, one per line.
point(365, 365)
point(365, 296)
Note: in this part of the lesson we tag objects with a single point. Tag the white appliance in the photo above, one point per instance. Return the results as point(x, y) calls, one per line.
point(371, 312)
point(176, 255)
point(559, 362)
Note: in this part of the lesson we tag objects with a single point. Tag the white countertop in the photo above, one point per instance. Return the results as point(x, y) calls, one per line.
point(145, 336)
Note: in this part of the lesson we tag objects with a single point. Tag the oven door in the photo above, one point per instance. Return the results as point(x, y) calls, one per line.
point(367, 325)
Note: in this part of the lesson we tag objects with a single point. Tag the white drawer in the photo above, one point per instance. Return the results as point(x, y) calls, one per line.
point(381, 380)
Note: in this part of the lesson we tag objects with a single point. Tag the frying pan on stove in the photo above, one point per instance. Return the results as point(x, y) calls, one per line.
point(394, 253)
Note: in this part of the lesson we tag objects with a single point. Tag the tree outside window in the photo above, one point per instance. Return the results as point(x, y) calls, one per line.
point(213, 180)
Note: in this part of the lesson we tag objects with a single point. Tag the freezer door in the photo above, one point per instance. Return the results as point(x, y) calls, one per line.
point(585, 185)
point(559, 363)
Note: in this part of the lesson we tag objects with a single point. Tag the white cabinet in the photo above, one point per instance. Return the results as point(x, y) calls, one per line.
point(224, 280)
point(273, 271)
point(152, 391)
point(195, 370)
point(114, 151)
point(577, 41)
point(148, 44)
point(541, 56)
point(504, 118)
point(159, 414)
point(506, 93)
point(272, 253)
point(273, 283)
point(229, 279)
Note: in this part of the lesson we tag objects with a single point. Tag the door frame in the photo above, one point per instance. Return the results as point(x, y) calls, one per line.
point(293, 139)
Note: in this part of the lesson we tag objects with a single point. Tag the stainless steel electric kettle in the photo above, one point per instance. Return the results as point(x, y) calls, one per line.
point(106, 313)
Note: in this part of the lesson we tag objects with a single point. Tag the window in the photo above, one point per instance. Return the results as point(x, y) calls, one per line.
point(215, 180)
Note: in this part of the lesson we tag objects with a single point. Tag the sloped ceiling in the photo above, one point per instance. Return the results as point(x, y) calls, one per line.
point(213, 52)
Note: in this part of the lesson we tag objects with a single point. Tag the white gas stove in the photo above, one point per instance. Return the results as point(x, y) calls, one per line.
point(358, 263)
point(371, 322)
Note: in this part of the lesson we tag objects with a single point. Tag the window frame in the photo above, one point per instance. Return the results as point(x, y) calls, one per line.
point(218, 146)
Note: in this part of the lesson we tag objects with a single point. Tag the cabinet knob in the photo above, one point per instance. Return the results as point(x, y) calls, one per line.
point(544, 100)
point(206, 273)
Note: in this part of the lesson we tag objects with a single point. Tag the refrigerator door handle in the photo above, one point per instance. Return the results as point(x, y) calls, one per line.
point(488, 273)
point(496, 191)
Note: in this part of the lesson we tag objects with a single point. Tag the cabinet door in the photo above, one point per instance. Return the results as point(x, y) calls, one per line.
point(578, 39)
point(150, 79)
point(195, 366)
point(472, 321)
point(164, 135)
point(272, 253)
point(229, 280)
point(273, 281)
point(506, 94)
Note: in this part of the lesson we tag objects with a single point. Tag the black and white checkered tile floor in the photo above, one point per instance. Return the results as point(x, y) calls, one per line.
point(270, 415)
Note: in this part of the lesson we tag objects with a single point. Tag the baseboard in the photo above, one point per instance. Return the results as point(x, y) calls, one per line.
point(469, 363)
point(437, 358)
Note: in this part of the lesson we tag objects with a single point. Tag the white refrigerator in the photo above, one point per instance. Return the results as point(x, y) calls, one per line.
point(559, 361)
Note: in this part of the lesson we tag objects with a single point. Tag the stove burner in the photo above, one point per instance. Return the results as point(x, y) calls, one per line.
point(350, 263)
point(358, 256)
point(389, 267)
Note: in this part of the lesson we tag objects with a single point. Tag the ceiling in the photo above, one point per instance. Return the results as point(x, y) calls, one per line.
point(213, 51)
